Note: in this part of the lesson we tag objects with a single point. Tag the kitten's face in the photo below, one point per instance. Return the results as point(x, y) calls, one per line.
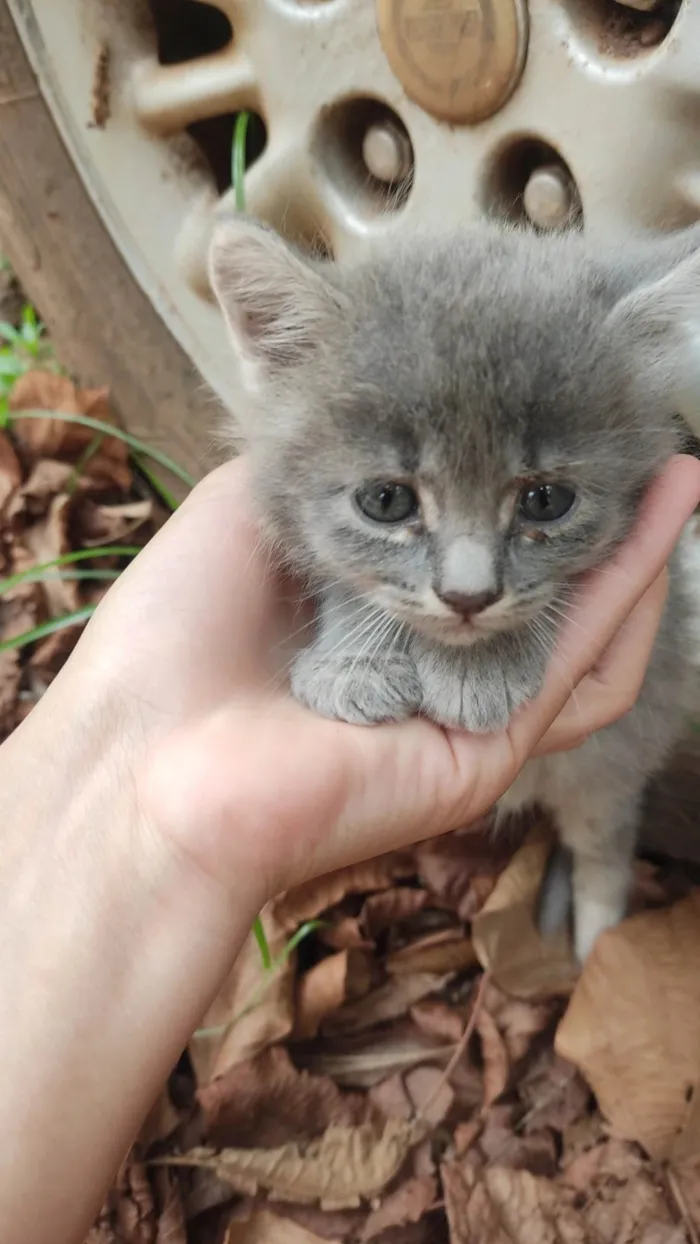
point(454, 434)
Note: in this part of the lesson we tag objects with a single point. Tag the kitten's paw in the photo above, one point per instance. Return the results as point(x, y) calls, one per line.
point(473, 703)
point(476, 689)
point(481, 709)
point(360, 691)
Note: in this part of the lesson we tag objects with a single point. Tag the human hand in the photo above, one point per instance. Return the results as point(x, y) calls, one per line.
point(245, 781)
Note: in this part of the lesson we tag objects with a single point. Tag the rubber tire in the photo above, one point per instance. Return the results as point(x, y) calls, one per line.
point(105, 329)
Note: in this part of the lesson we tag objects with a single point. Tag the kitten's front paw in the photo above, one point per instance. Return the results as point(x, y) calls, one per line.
point(361, 691)
point(475, 689)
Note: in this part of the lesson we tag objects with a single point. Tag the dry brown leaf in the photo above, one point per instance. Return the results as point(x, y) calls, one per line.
point(269, 997)
point(19, 610)
point(429, 1093)
point(101, 1234)
point(390, 907)
point(504, 1206)
point(554, 1093)
point(49, 655)
point(460, 869)
point(46, 480)
point(391, 1098)
point(344, 934)
point(519, 1022)
point(346, 1166)
point(326, 986)
point(110, 524)
point(684, 1178)
point(266, 1228)
point(635, 1212)
point(134, 1215)
point(494, 1055)
point(328, 1224)
point(437, 1019)
point(171, 1222)
point(161, 1120)
point(447, 951)
point(313, 897)
point(607, 1160)
point(9, 684)
point(632, 1027)
point(391, 1000)
point(362, 1060)
point(10, 469)
point(505, 935)
point(53, 438)
point(266, 1102)
point(407, 1203)
point(46, 540)
point(501, 1144)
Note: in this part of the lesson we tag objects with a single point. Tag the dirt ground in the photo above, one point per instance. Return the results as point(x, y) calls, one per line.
point(416, 1066)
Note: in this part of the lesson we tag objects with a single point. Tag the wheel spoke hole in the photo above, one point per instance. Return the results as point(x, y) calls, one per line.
point(622, 30)
point(529, 183)
point(188, 30)
point(363, 151)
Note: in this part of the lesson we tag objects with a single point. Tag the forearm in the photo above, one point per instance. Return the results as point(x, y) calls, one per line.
point(110, 950)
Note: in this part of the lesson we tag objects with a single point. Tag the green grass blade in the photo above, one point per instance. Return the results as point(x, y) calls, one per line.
point(303, 931)
point(263, 944)
point(160, 489)
point(47, 628)
point(97, 425)
point(240, 134)
point(69, 576)
point(10, 333)
point(68, 559)
point(86, 456)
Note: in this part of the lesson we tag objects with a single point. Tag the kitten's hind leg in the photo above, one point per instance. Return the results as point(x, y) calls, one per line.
point(599, 827)
point(556, 897)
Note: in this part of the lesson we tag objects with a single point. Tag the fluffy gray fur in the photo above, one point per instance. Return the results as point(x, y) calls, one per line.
point(468, 366)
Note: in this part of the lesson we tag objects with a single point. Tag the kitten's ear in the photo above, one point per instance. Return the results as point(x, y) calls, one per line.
point(658, 327)
point(275, 303)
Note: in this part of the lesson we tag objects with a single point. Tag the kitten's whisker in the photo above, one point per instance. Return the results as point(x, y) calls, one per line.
point(372, 647)
point(326, 612)
point(357, 633)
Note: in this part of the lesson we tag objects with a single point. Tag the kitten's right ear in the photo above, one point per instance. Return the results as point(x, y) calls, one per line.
point(275, 303)
point(658, 328)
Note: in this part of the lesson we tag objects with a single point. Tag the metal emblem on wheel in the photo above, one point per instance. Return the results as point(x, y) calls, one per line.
point(459, 59)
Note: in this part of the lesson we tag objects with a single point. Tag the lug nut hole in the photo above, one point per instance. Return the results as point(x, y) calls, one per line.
point(365, 154)
point(530, 184)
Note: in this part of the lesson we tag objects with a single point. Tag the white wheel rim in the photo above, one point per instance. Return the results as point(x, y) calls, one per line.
point(626, 126)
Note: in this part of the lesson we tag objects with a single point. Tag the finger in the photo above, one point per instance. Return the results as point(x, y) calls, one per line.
point(611, 688)
point(203, 596)
point(609, 596)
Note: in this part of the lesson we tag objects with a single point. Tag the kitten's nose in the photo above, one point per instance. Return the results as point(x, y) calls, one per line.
point(468, 604)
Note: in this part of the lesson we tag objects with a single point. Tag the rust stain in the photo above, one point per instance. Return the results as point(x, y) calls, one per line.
point(100, 109)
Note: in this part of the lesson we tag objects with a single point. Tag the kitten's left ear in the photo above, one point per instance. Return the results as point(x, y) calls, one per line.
point(658, 326)
point(275, 303)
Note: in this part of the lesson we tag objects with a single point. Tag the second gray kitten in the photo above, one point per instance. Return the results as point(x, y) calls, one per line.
point(442, 438)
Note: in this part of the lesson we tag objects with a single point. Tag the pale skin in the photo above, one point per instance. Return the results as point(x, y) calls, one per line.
point(166, 786)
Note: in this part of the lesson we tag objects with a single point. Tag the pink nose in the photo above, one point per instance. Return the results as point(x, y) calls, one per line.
point(467, 605)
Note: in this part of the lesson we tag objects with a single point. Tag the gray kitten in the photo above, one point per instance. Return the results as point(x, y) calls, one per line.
point(442, 437)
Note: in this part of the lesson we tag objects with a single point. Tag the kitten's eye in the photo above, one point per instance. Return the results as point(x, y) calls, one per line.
point(543, 503)
point(387, 502)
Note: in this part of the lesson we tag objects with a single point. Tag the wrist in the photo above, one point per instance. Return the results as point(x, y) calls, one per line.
point(113, 947)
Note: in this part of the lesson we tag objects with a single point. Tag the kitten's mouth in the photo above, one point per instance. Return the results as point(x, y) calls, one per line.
point(455, 630)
